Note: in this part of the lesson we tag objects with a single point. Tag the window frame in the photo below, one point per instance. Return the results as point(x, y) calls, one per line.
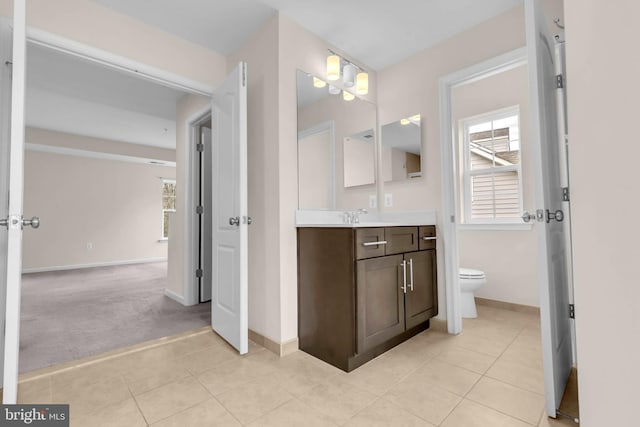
point(468, 173)
point(164, 211)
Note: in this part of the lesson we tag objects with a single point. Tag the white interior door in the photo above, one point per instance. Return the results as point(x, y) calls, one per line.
point(229, 310)
point(552, 259)
point(11, 214)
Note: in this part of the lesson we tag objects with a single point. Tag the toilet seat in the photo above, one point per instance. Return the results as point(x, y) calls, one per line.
point(469, 273)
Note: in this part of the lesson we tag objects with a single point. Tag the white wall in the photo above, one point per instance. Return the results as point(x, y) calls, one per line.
point(604, 153)
point(115, 206)
point(504, 255)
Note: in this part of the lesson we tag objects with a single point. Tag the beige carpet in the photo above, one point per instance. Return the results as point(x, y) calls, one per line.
point(67, 315)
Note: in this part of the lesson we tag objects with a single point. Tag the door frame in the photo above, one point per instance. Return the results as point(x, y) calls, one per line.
point(191, 291)
point(449, 220)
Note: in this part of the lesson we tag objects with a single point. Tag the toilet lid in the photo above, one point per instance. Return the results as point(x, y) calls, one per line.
point(469, 273)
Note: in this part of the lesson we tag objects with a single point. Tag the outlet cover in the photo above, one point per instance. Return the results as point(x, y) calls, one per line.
point(373, 201)
point(388, 200)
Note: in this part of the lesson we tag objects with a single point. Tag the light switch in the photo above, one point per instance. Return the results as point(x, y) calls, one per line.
point(373, 201)
point(388, 200)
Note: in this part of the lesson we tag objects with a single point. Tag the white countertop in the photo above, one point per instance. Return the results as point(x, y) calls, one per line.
point(332, 219)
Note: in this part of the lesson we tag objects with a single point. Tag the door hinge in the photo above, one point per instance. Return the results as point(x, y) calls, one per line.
point(559, 81)
point(565, 194)
point(572, 311)
point(244, 75)
point(200, 210)
point(200, 147)
point(199, 273)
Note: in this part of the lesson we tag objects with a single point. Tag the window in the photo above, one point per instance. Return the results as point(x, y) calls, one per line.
point(168, 204)
point(491, 173)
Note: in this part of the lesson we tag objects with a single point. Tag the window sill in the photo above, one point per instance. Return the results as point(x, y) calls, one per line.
point(164, 239)
point(509, 226)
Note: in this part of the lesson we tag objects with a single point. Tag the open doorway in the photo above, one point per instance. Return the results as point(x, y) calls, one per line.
point(100, 169)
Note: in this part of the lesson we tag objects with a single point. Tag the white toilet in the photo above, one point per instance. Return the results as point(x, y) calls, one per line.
point(470, 280)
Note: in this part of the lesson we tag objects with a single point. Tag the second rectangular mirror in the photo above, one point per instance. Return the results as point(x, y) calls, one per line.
point(402, 149)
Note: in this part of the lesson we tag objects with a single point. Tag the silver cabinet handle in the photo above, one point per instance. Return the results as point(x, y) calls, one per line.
point(429, 238)
point(234, 221)
point(404, 276)
point(33, 222)
point(411, 273)
point(381, 242)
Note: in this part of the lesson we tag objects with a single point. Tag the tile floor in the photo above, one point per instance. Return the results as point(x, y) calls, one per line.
point(489, 376)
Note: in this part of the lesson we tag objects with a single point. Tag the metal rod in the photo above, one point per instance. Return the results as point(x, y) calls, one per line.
point(381, 242)
point(429, 238)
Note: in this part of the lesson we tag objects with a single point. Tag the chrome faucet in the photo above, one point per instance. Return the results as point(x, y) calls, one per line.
point(356, 215)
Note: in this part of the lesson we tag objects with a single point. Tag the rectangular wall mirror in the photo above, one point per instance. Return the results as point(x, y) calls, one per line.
point(336, 144)
point(402, 149)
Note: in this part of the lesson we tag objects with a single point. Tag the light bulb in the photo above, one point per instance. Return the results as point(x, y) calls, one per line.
point(404, 122)
point(318, 82)
point(347, 96)
point(333, 67)
point(362, 83)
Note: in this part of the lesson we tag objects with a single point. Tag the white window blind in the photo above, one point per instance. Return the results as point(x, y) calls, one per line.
point(168, 204)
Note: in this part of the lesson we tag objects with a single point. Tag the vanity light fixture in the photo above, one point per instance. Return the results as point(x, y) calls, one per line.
point(415, 119)
point(334, 90)
point(347, 96)
point(319, 83)
point(404, 122)
point(362, 83)
point(349, 75)
point(333, 67)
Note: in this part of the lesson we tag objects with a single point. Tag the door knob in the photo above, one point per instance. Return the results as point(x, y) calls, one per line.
point(557, 215)
point(34, 222)
point(526, 217)
point(234, 221)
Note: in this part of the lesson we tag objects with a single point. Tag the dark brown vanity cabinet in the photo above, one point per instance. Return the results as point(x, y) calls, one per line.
point(361, 291)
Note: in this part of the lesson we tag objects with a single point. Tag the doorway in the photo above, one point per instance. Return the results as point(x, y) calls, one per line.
point(203, 164)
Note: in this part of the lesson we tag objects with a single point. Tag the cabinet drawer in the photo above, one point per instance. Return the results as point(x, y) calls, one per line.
point(370, 242)
point(428, 237)
point(401, 239)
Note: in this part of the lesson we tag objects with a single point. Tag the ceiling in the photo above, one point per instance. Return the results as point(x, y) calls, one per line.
point(68, 94)
point(378, 33)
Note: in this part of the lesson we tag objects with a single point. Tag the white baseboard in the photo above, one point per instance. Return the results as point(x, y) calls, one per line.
point(174, 296)
point(92, 265)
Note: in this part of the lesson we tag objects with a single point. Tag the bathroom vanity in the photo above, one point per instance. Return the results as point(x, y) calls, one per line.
point(363, 289)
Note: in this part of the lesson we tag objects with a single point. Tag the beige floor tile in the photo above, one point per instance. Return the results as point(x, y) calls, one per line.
point(299, 372)
point(383, 413)
point(121, 414)
point(209, 413)
point(508, 399)
point(162, 376)
point(84, 400)
point(338, 399)
point(471, 360)
point(502, 332)
point(35, 391)
point(233, 374)
point(528, 356)
point(519, 375)
point(480, 344)
point(252, 400)
point(449, 377)
point(83, 376)
point(382, 373)
point(206, 359)
point(172, 398)
point(545, 421)
point(192, 344)
point(471, 414)
point(427, 401)
point(293, 413)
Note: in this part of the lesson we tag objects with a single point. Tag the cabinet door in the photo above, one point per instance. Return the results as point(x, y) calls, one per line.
point(380, 300)
point(370, 242)
point(421, 299)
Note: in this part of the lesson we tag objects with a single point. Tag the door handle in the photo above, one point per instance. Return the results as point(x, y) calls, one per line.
point(411, 273)
point(404, 276)
point(234, 220)
point(15, 221)
point(557, 215)
point(527, 217)
point(34, 222)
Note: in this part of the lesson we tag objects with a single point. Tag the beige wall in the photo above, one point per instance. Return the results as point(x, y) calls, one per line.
point(604, 155)
point(505, 256)
point(114, 206)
